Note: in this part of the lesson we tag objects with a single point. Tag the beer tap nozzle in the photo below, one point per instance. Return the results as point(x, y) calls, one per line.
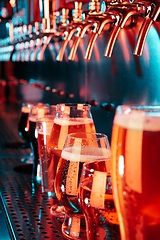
point(109, 19)
point(94, 10)
point(71, 29)
point(124, 13)
point(66, 38)
point(80, 34)
point(148, 21)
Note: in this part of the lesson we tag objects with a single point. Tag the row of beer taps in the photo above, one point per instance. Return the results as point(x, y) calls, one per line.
point(114, 15)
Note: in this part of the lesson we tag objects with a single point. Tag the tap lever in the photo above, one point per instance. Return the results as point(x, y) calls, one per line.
point(148, 21)
point(109, 19)
point(66, 38)
point(80, 34)
point(125, 11)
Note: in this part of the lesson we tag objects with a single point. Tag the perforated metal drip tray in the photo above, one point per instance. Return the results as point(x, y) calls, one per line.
point(26, 209)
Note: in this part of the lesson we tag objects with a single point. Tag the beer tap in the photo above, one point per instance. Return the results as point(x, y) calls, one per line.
point(126, 11)
point(90, 22)
point(48, 29)
point(105, 19)
point(80, 32)
point(151, 17)
point(71, 28)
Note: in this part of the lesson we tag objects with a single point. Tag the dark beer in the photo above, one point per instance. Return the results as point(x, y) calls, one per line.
point(23, 124)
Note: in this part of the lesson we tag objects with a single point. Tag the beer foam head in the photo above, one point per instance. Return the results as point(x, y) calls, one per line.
point(72, 121)
point(138, 120)
point(25, 109)
point(86, 155)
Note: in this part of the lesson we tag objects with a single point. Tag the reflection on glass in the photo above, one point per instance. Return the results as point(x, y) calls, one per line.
point(43, 127)
point(96, 201)
point(69, 118)
point(78, 148)
point(37, 111)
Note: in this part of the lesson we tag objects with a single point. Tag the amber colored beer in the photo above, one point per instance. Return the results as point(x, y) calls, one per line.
point(135, 148)
point(101, 217)
point(69, 172)
point(48, 162)
point(63, 127)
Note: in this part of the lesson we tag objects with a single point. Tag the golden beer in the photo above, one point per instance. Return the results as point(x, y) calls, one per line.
point(135, 171)
point(96, 200)
point(69, 172)
point(61, 128)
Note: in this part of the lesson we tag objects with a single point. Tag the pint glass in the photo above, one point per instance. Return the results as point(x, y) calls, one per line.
point(43, 128)
point(135, 151)
point(37, 111)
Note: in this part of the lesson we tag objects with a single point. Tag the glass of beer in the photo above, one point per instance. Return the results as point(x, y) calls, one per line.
point(23, 129)
point(70, 118)
point(135, 171)
point(43, 128)
point(23, 123)
point(37, 111)
point(96, 200)
point(79, 148)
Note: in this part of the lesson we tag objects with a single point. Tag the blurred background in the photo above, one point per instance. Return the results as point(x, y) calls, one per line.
point(104, 53)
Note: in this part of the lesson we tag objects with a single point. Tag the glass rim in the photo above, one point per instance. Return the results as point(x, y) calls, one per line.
point(138, 107)
point(101, 135)
point(47, 117)
point(41, 105)
point(73, 104)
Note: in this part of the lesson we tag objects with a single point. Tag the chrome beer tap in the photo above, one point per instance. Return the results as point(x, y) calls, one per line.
point(151, 17)
point(126, 11)
point(48, 29)
point(70, 29)
point(102, 20)
point(90, 22)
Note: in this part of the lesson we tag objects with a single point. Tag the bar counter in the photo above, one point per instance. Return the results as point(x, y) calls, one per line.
point(24, 209)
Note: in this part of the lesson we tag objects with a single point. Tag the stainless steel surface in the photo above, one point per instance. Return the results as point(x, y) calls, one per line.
point(4, 231)
point(26, 208)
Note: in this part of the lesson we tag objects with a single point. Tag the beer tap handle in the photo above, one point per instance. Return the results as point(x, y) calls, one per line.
point(124, 15)
point(46, 41)
point(90, 46)
point(71, 29)
point(148, 21)
point(67, 37)
point(91, 22)
point(112, 39)
point(109, 19)
point(80, 34)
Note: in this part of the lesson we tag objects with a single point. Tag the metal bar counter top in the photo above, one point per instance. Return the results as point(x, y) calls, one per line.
point(24, 209)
